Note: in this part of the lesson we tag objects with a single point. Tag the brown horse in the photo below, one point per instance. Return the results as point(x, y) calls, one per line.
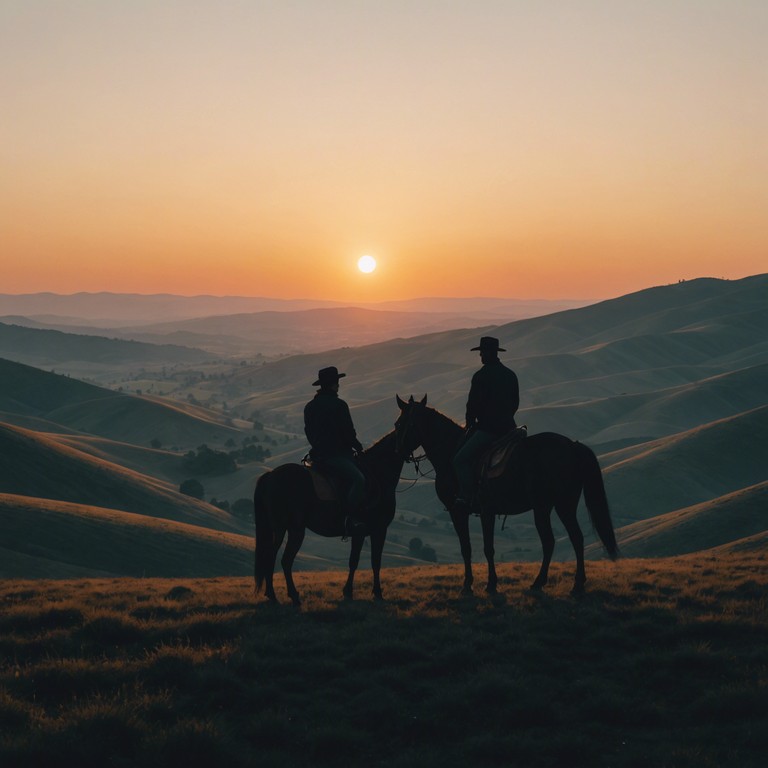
point(547, 471)
point(285, 502)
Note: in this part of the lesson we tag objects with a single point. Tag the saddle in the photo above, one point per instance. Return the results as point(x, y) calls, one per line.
point(327, 486)
point(495, 460)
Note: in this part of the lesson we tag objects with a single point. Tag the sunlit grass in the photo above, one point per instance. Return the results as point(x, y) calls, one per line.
point(663, 662)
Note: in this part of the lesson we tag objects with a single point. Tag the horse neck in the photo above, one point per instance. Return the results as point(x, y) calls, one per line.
point(384, 461)
point(440, 437)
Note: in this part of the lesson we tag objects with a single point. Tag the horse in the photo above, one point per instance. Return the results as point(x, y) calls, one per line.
point(546, 470)
point(285, 501)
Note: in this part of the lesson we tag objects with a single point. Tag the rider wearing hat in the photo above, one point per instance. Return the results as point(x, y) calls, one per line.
point(329, 429)
point(494, 397)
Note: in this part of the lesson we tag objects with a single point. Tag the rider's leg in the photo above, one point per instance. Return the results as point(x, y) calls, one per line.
point(464, 462)
point(346, 469)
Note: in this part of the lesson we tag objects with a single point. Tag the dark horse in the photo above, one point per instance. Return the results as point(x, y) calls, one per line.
point(547, 470)
point(285, 501)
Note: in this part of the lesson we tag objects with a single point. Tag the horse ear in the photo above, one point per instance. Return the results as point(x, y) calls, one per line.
point(401, 404)
point(423, 400)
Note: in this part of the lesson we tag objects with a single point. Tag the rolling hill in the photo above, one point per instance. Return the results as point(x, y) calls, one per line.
point(739, 516)
point(704, 463)
point(43, 347)
point(593, 366)
point(36, 465)
point(68, 404)
point(77, 540)
point(668, 385)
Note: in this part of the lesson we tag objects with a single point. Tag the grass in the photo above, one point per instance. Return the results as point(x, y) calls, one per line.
point(663, 663)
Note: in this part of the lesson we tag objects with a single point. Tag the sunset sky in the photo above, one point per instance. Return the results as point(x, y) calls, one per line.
point(531, 149)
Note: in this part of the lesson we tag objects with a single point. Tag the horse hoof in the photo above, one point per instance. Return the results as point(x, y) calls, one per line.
point(537, 586)
point(491, 589)
point(378, 597)
point(347, 594)
point(578, 590)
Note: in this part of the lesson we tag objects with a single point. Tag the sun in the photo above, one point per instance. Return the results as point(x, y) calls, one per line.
point(366, 263)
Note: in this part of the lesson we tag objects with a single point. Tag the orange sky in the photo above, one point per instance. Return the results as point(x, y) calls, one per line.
point(526, 149)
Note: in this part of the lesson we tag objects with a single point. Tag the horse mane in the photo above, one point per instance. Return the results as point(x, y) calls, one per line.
point(377, 446)
point(443, 419)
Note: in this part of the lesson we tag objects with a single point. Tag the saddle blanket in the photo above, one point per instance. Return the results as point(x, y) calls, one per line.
point(324, 488)
point(499, 454)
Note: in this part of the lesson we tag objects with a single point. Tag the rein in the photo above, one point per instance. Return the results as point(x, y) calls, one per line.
point(416, 461)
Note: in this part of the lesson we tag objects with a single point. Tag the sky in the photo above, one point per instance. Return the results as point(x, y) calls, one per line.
point(527, 148)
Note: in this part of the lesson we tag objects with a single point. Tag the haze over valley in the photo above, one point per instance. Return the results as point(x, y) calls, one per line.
point(98, 433)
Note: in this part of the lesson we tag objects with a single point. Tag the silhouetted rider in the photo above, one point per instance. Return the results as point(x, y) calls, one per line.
point(494, 397)
point(331, 433)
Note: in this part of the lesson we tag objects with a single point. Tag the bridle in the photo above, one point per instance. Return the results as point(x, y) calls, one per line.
point(402, 430)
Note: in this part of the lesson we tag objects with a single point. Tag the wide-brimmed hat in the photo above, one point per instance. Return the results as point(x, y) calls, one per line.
point(488, 344)
point(327, 376)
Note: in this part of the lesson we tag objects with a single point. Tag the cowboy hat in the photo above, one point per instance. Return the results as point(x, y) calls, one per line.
point(488, 344)
point(327, 376)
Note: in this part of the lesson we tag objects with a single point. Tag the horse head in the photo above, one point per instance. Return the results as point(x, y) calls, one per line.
point(407, 435)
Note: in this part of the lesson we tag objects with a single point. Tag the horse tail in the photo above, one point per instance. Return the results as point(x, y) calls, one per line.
point(596, 499)
point(264, 533)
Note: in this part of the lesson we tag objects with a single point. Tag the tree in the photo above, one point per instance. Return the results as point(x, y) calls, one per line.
point(415, 545)
point(418, 549)
point(193, 488)
point(242, 508)
point(208, 462)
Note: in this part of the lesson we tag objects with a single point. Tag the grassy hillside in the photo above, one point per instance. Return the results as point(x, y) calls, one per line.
point(37, 466)
point(663, 663)
point(734, 517)
point(597, 365)
point(37, 346)
point(692, 467)
point(29, 391)
point(62, 403)
point(74, 539)
point(668, 385)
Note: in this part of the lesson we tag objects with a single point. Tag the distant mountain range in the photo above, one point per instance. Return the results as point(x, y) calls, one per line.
point(668, 385)
point(220, 326)
point(112, 310)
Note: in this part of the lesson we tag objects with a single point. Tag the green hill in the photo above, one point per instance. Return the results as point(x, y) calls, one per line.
point(723, 522)
point(595, 366)
point(36, 346)
point(695, 466)
point(79, 540)
point(36, 465)
point(29, 393)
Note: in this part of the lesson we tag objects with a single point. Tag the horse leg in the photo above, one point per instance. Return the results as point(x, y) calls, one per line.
point(269, 586)
point(544, 529)
point(488, 522)
point(354, 561)
point(377, 548)
point(461, 526)
point(567, 514)
point(292, 546)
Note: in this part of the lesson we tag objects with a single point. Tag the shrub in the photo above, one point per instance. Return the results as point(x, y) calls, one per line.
point(415, 545)
point(208, 462)
point(242, 508)
point(193, 488)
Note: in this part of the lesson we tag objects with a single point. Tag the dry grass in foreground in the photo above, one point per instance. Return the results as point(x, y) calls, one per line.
point(662, 663)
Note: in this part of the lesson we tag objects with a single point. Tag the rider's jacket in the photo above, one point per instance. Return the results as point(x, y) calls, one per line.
point(328, 426)
point(494, 398)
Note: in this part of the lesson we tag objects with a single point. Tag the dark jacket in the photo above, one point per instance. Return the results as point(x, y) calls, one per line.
point(494, 398)
point(328, 426)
